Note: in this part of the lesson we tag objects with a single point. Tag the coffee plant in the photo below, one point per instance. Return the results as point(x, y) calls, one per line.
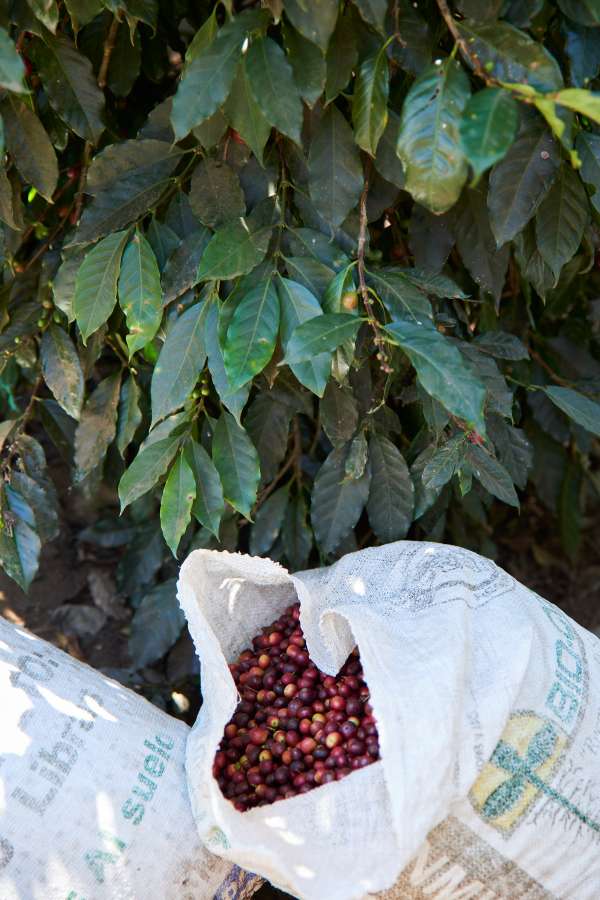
point(295, 277)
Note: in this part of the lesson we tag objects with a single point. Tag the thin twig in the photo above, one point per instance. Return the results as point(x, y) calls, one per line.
point(462, 44)
point(317, 434)
point(47, 243)
point(109, 46)
point(297, 452)
point(542, 362)
point(362, 282)
point(85, 163)
point(271, 487)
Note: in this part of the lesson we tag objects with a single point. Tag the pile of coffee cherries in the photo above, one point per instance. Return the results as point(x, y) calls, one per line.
point(295, 728)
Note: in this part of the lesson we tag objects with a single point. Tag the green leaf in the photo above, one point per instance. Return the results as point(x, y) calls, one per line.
point(181, 360)
point(130, 416)
point(163, 241)
point(512, 448)
point(216, 195)
point(443, 463)
point(320, 334)
point(234, 249)
point(492, 475)
point(519, 183)
point(413, 53)
point(561, 219)
point(207, 80)
point(69, 81)
point(586, 12)
point(97, 426)
point(441, 371)
point(178, 496)
point(342, 55)
point(96, 283)
point(32, 461)
point(156, 624)
point(252, 334)
point(588, 148)
point(357, 457)
point(83, 11)
point(429, 142)
point(233, 400)
point(339, 413)
point(8, 214)
point(308, 64)
point(531, 262)
point(315, 20)
point(499, 396)
point(296, 536)
point(146, 469)
point(299, 305)
point(125, 62)
point(334, 168)
point(337, 501)
point(369, 101)
point(209, 504)
point(569, 509)
point(486, 263)
point(176, 424)
point(19, 543)
point(203, 38)
point(391, 497)
point(126, 180)
point(338, 288)
point(268, 522)
point(582, 46)
point(577, 406)
point(315, 276)
point(59, 427)
point(510, 55)
point(61, 369)
point(581, 101)
point(46, 11)
point(387, 161)
point(29, 146)
point(244, 113)
point(373, 12)
point(488, 127)
point(272, 83)
point(435, 284)
point(268, 424)
point(501, 345)
point(42, 503)
point(236, 460)
point(210, 132)
point(402, 299)
point(181, 271)
point(140, 292)
point(12, 70)
point(63, 286)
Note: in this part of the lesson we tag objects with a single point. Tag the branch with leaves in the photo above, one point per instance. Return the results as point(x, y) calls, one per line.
point(271, 283)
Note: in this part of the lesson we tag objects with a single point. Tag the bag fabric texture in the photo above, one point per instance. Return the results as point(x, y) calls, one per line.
point(487, 700)
point(93, 795)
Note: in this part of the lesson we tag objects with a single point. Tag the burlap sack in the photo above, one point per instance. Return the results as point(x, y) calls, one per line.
point(488, 706)
point(93, 794)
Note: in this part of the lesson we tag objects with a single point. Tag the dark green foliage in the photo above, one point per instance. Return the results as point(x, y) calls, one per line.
point(294, 278)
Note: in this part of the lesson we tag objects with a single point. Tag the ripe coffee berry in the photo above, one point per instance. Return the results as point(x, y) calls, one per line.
point(295, 727)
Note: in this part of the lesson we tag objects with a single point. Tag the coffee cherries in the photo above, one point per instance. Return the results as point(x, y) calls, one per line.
point(295, 728)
